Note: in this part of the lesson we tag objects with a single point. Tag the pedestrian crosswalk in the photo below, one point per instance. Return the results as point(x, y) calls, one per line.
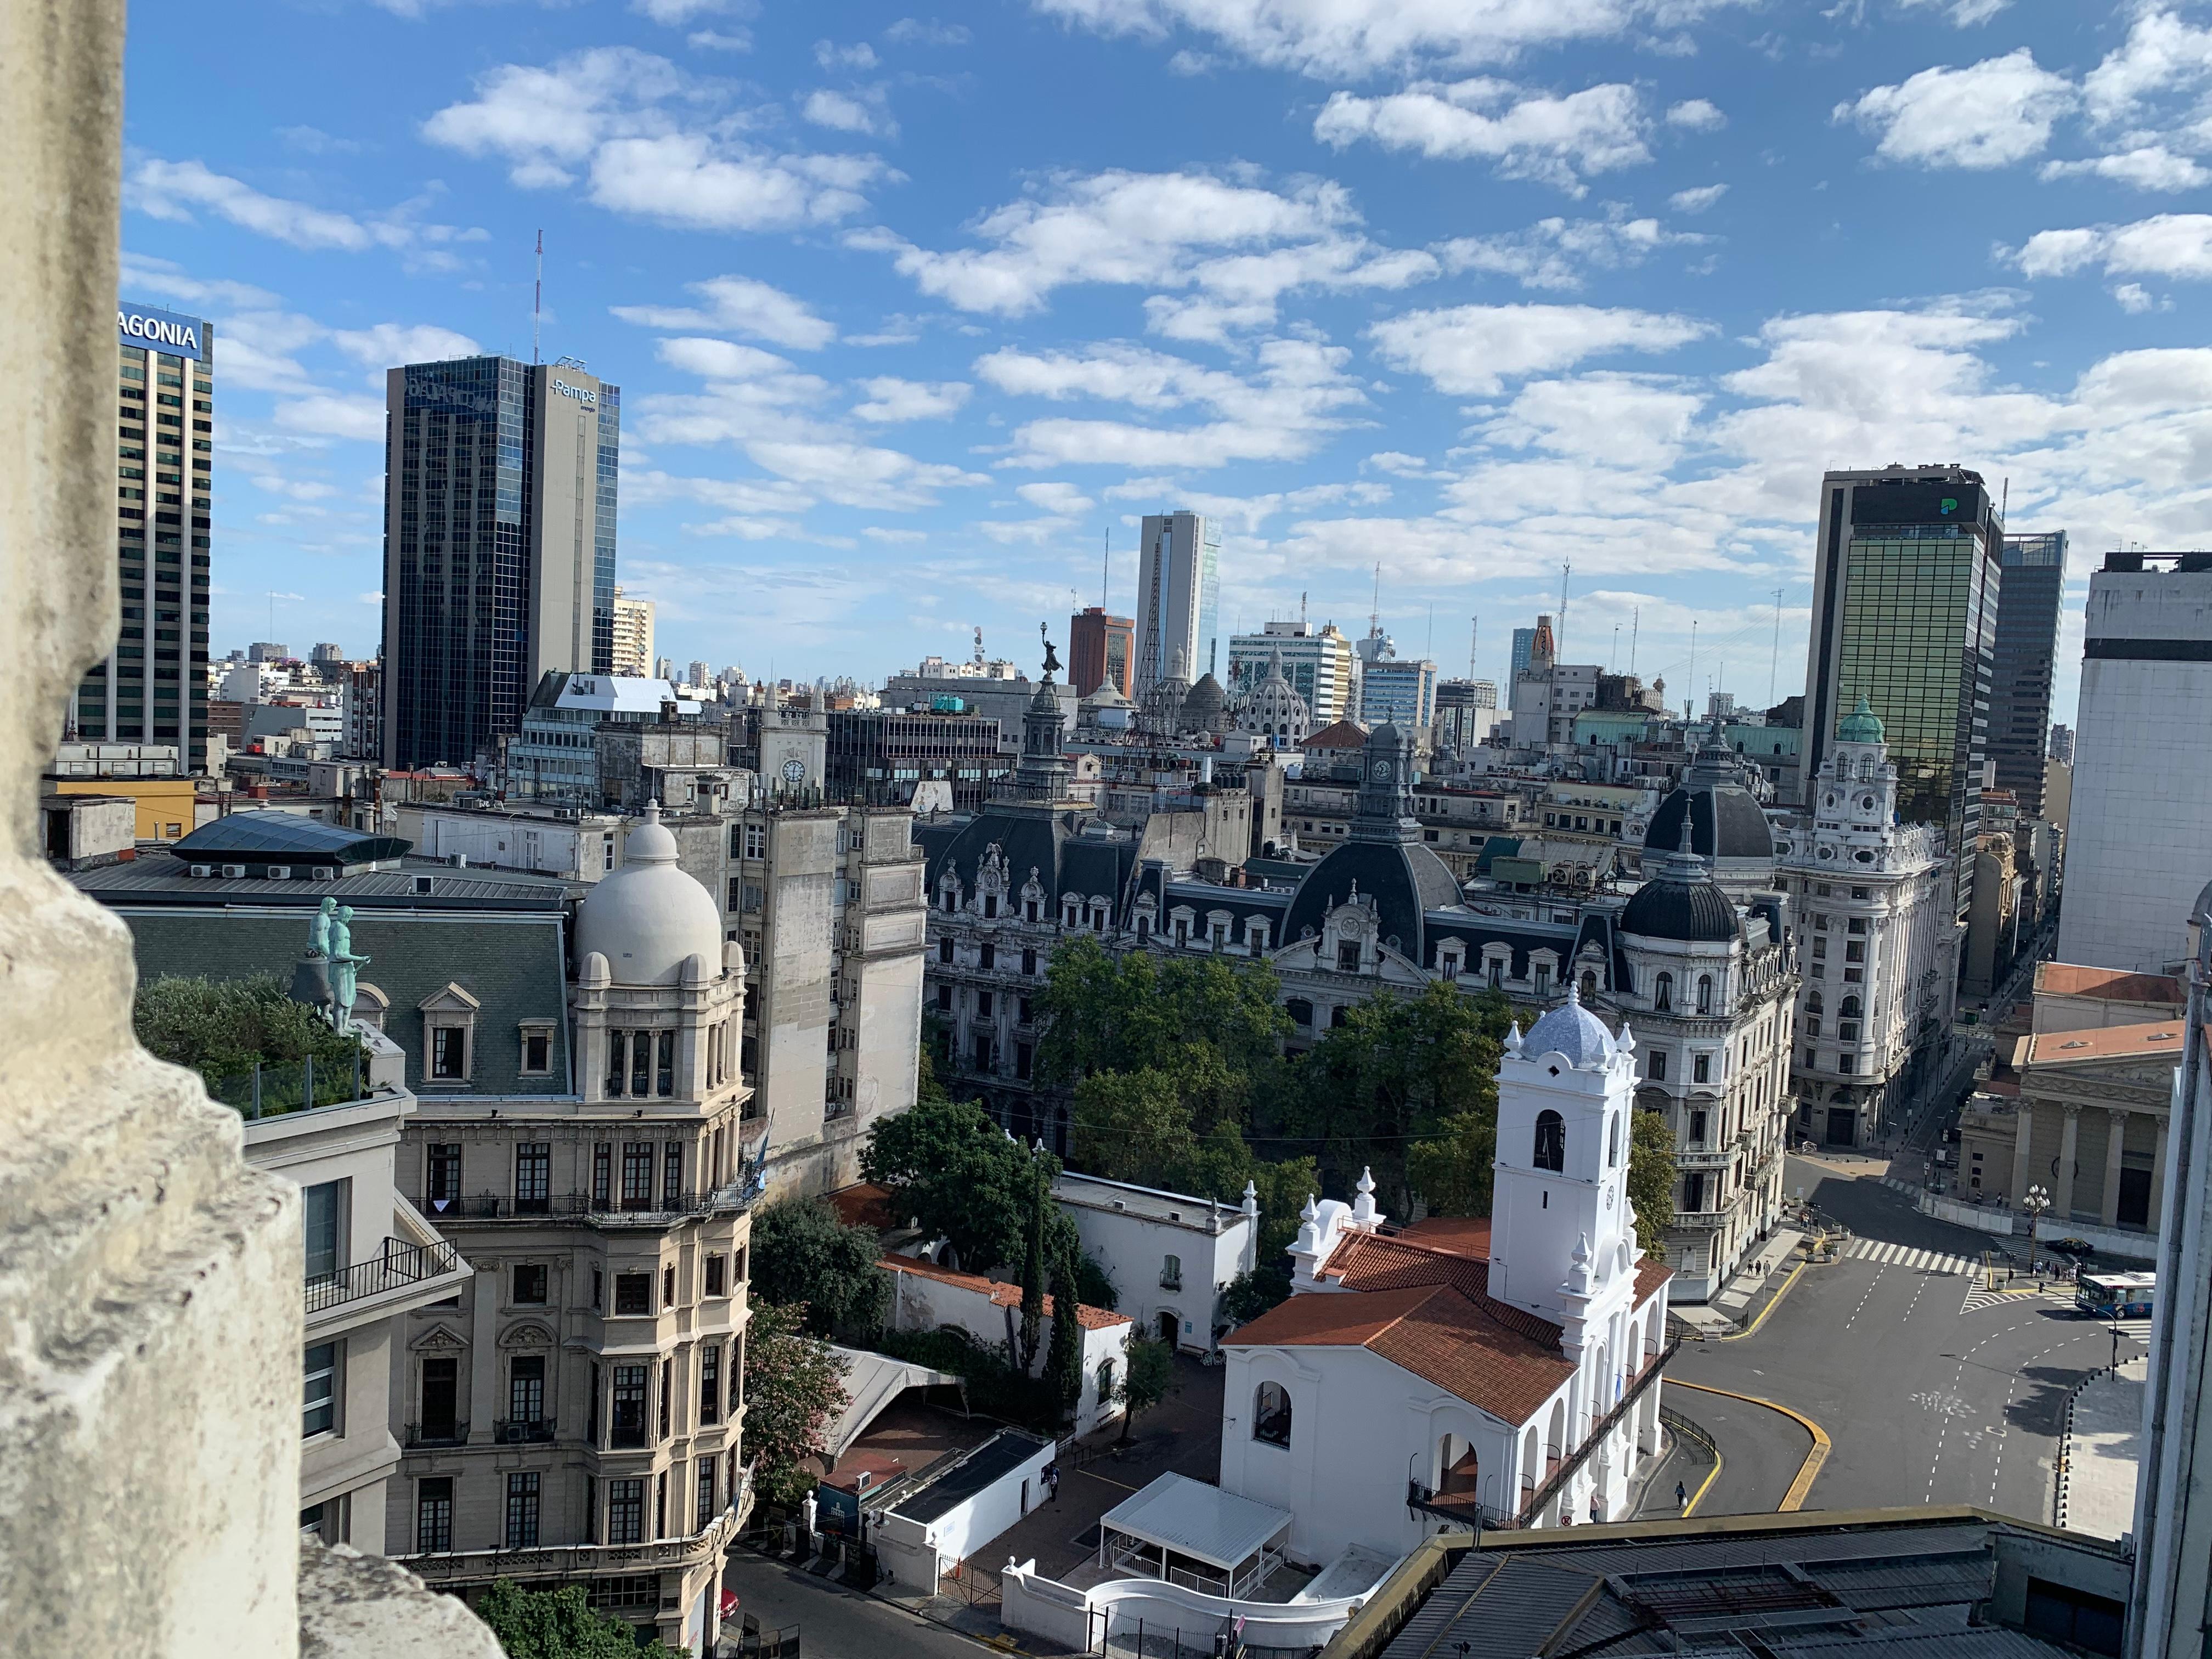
point(1902, 1255)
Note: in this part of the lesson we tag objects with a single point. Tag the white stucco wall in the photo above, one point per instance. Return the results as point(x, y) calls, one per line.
point(921, 1302)
point(918, 1553)
point(1132, 1245)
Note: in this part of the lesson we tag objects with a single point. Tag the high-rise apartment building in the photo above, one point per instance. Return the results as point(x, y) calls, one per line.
point(1099, 648)
point(632, 652)
point(2028, 603)
point(1320, 662)
point(2062, 745)
point(1178, 596)
point(1524, 646)
point(2141, 842)
point(1400, 691)
point(1906, 580)
point(499, 545)
point(152, 687)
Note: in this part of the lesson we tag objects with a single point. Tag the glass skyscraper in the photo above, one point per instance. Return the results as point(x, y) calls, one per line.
point(1905, 585)
point(152, 687)
point(2026, 659)
point(499, 546)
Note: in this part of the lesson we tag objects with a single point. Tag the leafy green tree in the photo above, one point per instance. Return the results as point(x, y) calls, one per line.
point(1251, 1294)
point(1063, 1357)
point(1147, 1375)
point(1033, 1270)
point(1453, 1170)
point(1091, 1282)
point(220, 1027)
point(794, 1389)
point(1651, 1178)
point(804, 1255)
point(560, 1625)
point(1394, 1073)
point(953, 1169)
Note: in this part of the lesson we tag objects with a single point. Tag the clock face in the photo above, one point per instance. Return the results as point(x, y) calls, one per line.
point(1383, 770)
point(794, 771)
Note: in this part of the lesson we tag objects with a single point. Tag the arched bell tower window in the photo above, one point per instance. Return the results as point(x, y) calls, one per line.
point(1662, 993)
point(1550, 1149)
point(1704, 994)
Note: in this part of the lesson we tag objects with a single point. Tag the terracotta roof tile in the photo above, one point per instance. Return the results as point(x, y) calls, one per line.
point(2070, 979)
point(1001, 1294)
point(1342, 734)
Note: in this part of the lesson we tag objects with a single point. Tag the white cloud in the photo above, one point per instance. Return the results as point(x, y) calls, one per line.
point(330, 415)
point(1609, 420)
point(2167, 245)
point(1064, 500)
point(1298, 394)
point(1988, 115)
point(172, 190)
point(1696, 115)
point(858, 56)
point(1556, 254)
point(1244, 244)
point(1553, 140)
point(740, 305)
point(720, 40)
point(912, 31)
point(143, 273)
point(387, 345)
point(1964, 13)
point(1347, 37)
point(891, 399)
point(1474, 351)
point(2134, 297)
point(675, 13)
point(620, 116)
point(2149, 167)
point(1696, 200)
point(2161, 52)
point(864, 110)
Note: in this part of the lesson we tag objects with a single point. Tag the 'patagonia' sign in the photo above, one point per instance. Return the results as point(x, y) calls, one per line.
point(583, 395)
point(160, 331)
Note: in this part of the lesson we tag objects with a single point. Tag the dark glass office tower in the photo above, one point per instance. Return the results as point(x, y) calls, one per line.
point(1905, 583)
point(152, 687)
point(2026, 659)
point(499, 546)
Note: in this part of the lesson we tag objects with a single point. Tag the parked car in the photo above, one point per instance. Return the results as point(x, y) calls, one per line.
point(2078, 1248)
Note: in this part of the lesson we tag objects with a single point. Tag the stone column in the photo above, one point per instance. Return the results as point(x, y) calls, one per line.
point(2115, 1135)
point(152, 1315)
point(2069, 1139)
point(2023, 1169)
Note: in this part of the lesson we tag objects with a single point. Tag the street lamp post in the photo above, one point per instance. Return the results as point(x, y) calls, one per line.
point(2036, 1201)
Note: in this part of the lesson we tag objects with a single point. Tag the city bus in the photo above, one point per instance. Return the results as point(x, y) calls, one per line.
point(2116, 1296)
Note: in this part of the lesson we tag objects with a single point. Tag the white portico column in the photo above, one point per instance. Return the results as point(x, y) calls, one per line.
point(2069, 1145)
point(2023, 1136)
point(2115, 1133)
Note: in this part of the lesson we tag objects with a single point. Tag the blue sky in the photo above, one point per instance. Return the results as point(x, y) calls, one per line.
point(914, 312)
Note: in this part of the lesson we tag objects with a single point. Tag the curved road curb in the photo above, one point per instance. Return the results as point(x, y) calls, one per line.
point(1772, 1302)
point(1808, 1470)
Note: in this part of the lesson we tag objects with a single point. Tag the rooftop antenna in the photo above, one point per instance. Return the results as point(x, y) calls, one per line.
point(1614, 660)
point(1473, 634)
point(1635, 627)
point(1105, 566)
point(538, 298)
point(1430, 649)
point(1374, 616)
point(2004, 498)
point(1302, 606)
point(979, 645)
point(1776, 664)
point(1690, 703)
point(1559, 633)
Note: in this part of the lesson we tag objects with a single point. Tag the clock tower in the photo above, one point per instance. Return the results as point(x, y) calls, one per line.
point(1385, 808)
point(794, 744)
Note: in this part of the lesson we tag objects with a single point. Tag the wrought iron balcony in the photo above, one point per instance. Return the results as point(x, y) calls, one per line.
point(521, 1431)
point(437, 1434)
point(398, 1264)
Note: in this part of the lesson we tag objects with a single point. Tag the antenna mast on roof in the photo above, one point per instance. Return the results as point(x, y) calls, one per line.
point(1473, 634)
point(538, 297)
point(1635, 627)
point(1774, 665)
point(1559, 633)
point(1105, 568)
point(1374, 616)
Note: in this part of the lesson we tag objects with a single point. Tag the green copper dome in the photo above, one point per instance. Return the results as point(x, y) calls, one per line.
point(1860, 725)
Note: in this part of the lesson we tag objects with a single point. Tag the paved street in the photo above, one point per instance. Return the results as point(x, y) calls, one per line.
point(835, 1623)
point(1930, 1389)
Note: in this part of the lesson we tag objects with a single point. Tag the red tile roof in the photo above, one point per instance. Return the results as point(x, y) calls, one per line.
point(1001, 1295)
point(2069, 979)
point(2158, 1039)
point(1342, 734)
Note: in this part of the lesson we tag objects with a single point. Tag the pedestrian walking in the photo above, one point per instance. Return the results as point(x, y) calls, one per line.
point(1681, 1496)
point(1597, 1509)
point(1052, 1480)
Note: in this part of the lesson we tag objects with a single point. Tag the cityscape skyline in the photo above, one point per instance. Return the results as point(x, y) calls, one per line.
point(887, 389)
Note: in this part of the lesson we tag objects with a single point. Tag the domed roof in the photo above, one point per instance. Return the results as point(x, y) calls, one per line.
point(1403, 881)
point(1203, 708)
point(649, 918)
point(1108, 696)
point(1726, 821)
point(1682, 901)
point(1571, 1030)
point(1860, 725)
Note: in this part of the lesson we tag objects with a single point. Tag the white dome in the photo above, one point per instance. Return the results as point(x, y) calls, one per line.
point(1571, 1030)
point(648, 918)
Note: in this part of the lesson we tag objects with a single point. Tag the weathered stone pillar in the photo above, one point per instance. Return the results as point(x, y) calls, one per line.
point(151, 1284)
point(2023, 1113)
point(2069, 1146)
point(2116, 1134)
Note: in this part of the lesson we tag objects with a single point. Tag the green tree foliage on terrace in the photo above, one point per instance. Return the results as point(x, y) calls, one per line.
point(560, 1623)
point(956, 1173)
point(802, 1254)
point(220, 1027)
point(1652, 1168)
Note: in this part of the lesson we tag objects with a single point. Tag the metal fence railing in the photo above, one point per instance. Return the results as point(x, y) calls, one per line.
point(396, 1265)
point(271, 1087)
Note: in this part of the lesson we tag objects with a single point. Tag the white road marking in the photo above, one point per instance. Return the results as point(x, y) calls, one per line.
point(1903, 1256)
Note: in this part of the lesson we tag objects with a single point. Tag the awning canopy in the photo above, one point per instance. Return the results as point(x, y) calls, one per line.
point(872, 1380)
point(1199, 1521)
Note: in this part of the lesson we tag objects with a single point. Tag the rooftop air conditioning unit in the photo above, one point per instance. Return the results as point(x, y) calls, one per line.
point(280, 873)
point(322, 872)
point(234, 871)
point(459, 860)
point(203, 870)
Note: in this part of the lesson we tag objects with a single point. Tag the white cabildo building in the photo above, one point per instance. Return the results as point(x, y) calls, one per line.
point(1505, 1371)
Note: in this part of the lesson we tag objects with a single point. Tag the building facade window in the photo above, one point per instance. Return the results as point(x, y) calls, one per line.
point(703, 1516)
point(1271, 1415)
point(321, 1415)
point(1550, 1151)
point(625, 1512)
point(522, 1509)
point(1658, 1064)
point(637, 1175)
point(528, 1284)
point(710, 1384)
point(323, 1207)
point(443, 1186)
point(537, 1050)
point(533, 1177)
point(716, 1274)
point(434, 1514)
point(1662, 993)
point(526, 1389)
point(627, 1430)
point(633, 1294)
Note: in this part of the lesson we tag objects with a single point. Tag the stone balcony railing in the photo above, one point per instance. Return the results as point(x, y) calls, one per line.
point(589, 1560)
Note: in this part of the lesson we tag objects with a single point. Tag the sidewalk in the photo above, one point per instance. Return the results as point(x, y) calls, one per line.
point(2096, 1491)
point(1758, 1282)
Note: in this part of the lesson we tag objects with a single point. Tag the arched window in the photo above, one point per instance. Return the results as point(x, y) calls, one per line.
point(1662, 993)
point(1301, 1012)
point(1850, 1009)
point(1704, 994)
point(1105, 1381)
point(1613, 1140)
point(1271, 1415)
point(1551, 1150)
point(1589, 986)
